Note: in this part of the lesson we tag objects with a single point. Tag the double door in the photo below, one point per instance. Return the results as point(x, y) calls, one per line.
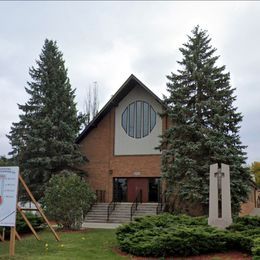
point(134, 186)
point(126, 189)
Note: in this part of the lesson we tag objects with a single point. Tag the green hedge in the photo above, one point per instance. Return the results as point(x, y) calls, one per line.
point(21, 225)
point(168, 235)
point(249, 228)
point(245, 223)
point(256, 248)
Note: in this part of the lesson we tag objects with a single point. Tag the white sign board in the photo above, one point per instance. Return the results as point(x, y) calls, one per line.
point(8, 195)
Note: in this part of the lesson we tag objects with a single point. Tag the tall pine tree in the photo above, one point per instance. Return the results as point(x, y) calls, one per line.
point(43, 140)
point(204, 129)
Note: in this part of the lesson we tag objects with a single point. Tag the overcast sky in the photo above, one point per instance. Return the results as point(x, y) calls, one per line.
point(108, 41)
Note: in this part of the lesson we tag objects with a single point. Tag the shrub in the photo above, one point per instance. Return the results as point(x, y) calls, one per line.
point(22, 227)
point(248, 228)
point(245, 223)
point(167, 234)
point(67, 199)
point(256, 248)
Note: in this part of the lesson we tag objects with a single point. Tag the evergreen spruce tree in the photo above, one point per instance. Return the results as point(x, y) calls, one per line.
point(204, 129)
point(43, 140)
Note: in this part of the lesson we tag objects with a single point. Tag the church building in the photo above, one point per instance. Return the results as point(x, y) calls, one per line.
point(120, 144)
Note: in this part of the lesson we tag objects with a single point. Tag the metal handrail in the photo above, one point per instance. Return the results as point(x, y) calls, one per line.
point(110, 208)
point(138, 199)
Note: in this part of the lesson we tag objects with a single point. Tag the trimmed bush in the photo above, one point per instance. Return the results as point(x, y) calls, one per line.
point(248, 227)
point(22, 227)
point(245, 223)
point(256, 248)
point(169, 235)
point(67, 199)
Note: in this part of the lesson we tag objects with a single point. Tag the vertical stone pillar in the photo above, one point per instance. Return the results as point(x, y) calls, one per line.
point(226, 197)
point(213, 193)
point(223, 174)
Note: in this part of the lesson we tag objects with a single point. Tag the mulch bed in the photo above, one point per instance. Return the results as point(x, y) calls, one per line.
point(232, 255)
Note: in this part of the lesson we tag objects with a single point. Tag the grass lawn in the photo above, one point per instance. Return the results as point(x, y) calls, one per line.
point(89, 244)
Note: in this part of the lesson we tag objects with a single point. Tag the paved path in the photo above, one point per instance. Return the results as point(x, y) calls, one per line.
point(100, 225)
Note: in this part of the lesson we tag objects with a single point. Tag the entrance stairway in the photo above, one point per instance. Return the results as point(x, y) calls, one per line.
point(98, 213)
point(121, 214)
point(255, 212)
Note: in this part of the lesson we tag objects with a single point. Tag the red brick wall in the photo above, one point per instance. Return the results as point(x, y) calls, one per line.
point(247, 207)
point(98, 146)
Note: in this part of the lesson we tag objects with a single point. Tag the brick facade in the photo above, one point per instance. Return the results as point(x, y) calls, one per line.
point(246, 208)
point(103, 166)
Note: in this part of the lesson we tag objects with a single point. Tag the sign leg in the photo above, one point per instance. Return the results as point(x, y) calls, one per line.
point(12, 242)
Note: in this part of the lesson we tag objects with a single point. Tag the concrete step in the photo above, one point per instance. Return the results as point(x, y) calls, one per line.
point(103, 220)
point(144, 214)
point(119, 217)
point(92, 215)
point(255, 212)
point(98, 210)
point(117, 212)
point(119, 221)
point(143, 208)
point(146, 210)
point(96, 217)
point(121, 214)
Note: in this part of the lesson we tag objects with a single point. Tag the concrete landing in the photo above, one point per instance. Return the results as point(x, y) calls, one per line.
point(255, 212)
point(100, 225)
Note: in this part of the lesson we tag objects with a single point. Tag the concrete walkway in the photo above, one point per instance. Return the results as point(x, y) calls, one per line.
point(100, 225)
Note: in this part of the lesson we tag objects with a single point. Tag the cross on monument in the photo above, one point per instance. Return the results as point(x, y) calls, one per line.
point(219, 175)
point(219, 196)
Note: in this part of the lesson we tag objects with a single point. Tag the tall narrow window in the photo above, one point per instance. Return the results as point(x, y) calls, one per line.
point(124, 120)
point(138, 119)
point(131, 120)
point(152, 118)
point(146, 119)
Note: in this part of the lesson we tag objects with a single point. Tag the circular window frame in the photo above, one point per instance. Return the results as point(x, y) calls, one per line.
point(132, 119)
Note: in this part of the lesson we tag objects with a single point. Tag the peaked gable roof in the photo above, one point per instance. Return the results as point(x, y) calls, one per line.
point(128, 85)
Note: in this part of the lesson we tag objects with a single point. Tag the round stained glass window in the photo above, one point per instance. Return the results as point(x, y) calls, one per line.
point(138, 119)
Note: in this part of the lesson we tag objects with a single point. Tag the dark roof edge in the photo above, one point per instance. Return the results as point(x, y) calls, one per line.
point(114, 100)
point(147, 89)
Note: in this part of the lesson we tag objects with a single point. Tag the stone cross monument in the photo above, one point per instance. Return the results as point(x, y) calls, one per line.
point(219, 196)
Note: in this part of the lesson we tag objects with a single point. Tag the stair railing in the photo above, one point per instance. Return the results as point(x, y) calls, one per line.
point(110, 208)
point(136, 202)
point(112, 205)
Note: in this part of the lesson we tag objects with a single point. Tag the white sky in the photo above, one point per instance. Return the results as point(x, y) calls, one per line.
point(107, 41)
